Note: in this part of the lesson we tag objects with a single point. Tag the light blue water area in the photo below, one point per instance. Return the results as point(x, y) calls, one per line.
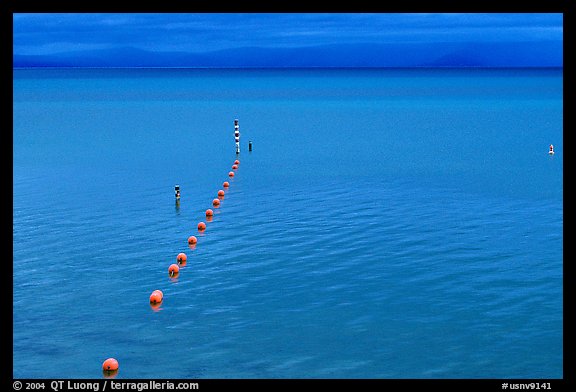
point(387, 224)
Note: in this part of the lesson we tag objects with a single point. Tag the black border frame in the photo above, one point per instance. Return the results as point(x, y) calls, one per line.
point(9, 7)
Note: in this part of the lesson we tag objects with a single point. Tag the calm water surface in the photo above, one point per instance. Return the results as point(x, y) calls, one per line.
point(387, 224)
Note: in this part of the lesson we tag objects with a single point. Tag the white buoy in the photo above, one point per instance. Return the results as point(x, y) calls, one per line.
point(551, 152)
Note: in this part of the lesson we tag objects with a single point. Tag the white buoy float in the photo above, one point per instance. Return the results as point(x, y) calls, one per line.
point(551, 152)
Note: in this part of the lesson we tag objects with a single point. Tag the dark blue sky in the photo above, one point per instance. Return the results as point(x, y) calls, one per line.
point(280, 39)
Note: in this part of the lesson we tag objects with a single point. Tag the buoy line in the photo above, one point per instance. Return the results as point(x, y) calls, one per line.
point(110, 366)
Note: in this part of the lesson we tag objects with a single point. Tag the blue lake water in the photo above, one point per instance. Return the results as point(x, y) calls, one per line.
point(387, 224)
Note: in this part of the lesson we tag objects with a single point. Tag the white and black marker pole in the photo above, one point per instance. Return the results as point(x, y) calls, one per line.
point(237, 136)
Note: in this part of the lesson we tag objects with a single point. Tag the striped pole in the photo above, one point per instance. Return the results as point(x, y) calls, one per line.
point(237, 136)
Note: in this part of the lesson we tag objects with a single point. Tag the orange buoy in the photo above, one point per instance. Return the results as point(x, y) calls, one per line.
point(226, 184)
point(220, 192)
point(236, 162)
point(110, 365)
point(201, 226)
point(215, 202)
point(181, 259)
point(209, 212)
point(234, 167)
point(231, 174)
point(156, 297)
point(173, 270)
point(191, 241)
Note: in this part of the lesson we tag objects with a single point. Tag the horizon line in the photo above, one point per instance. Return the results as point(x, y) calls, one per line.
point(294, 67)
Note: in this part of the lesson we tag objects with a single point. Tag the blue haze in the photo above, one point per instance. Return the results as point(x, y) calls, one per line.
point(236, 40)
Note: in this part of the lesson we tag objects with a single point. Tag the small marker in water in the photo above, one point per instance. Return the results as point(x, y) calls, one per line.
point(226, 184)
point(250, 146)
point(551, 152)
point(177, 192)
point(216, 202)
point(201, 226)
point(209, 212)
point(231, 174)
point(220, 192)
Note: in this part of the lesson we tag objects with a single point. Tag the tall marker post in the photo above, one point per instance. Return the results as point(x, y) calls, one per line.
point(237, 136)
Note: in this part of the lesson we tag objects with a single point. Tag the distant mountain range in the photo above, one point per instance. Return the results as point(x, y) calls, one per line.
point(498, 54)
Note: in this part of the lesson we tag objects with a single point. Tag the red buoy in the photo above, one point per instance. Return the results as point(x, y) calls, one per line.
point(236, 162)
point(234, 167)
point(209, 212)
point(231, 174)
point(215, 202)
point(220, 192)
point(181, 258)
point(110, 364)
point(191, 241)
point(156, 297)
point(173, 270)
point(201, 226)
point(226, 184)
